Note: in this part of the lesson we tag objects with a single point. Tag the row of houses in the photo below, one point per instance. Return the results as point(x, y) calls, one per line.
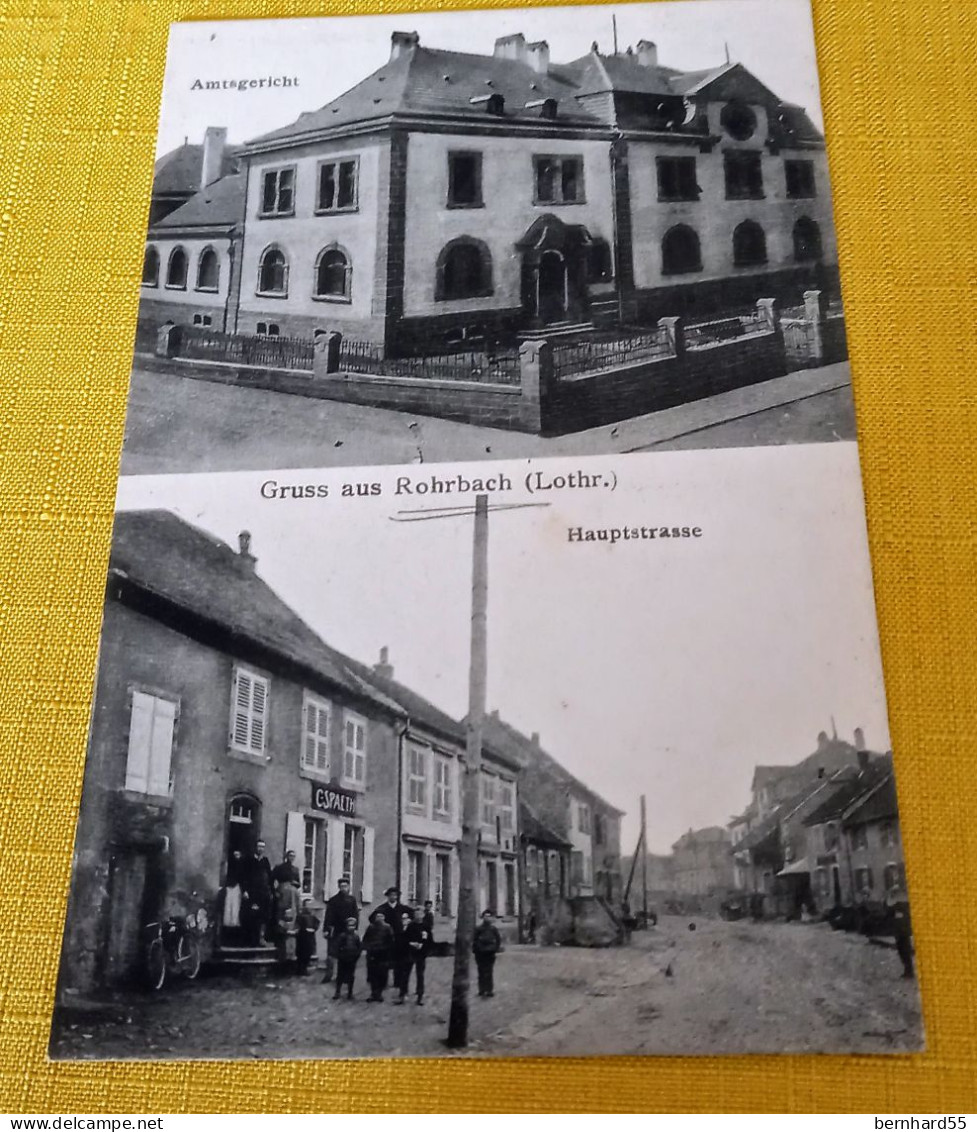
point(221, 718)
point(818, 834)
point(451, 196)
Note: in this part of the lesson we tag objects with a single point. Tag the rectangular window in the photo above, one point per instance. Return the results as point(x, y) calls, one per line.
point(893, 874)
point(417, 778)
point(464, 180)
point(859, 837)
point(830, 837)
point(442, 884)
point(506, 808)
point(354, 755)
point(152, 722)
point(677, 178)
point(442, 786)
point(278, 192)
point(510, 889)
point(488, 800)
point(249, 711)
point(415, 876)
point(531, 879)
point(744, 175)
point(887, 834)
point(349, 851)
point(338, 183)
point(583, 818)
point(800, 179)
point(316, 714)
point(863, 880)
point(558, 180)
point(310, 854)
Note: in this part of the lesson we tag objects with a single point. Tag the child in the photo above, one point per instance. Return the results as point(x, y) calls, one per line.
point(347, 946)
point(486, 945)
point(306, 925)
point(418, 940)
point(378, 943)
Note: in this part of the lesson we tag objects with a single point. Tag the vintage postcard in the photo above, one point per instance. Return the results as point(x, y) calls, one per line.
point(489, 660)
point(489, 234)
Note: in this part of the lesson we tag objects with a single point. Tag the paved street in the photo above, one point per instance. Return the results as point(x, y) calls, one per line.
point(721, 988)
point(184, 424)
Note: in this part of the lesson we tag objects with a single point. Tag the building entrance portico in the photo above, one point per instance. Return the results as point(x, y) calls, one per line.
point(554, 271)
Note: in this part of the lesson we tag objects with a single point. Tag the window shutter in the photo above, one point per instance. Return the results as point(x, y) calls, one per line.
point(161, 747)
point(295, 834)
point(334, 855)
point(140, 743)
point(259, 695)
point(367, 865)
point(240, 709)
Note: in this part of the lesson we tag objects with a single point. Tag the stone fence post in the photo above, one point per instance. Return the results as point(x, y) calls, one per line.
point(816, 314)
point(769, 314)
point(537, 379)
point(325, 358)
point(168, 340)
point(674, 334)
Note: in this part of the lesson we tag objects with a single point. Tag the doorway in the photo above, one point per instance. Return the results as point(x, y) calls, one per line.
point(551, 287)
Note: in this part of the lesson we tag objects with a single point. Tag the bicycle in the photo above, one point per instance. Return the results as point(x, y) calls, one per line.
point(173, 948)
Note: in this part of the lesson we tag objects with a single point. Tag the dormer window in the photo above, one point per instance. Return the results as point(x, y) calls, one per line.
point(491, 103)
point(547, 107)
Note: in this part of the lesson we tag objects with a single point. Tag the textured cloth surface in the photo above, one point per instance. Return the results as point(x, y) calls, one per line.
point(79, 89)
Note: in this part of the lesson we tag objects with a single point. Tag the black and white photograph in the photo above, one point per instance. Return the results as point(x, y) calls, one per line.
point(529, 758)
point(488, 234)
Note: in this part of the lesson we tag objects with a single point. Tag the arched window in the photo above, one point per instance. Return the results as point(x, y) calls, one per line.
point(208, 270)
point(273, 272)
point(749, 244)
point(464, 270)
point(176, 269)
point(150, 267)
point(680, 251)
point(807, 240)
point(333, 274)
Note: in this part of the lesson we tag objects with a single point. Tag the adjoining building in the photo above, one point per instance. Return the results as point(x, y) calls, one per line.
point(701, 864)
point(452, 197)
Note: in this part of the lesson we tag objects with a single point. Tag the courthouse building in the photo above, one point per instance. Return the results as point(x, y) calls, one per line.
point(451, 197)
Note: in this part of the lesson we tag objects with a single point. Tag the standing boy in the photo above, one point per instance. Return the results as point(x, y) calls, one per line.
point(486, 945)
point(418, 941)
point(378, 943)
point(347, 947)
point(306, 926)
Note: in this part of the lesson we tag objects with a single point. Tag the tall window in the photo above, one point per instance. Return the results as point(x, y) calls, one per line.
point(176, 269)
point(249, 711)
point(677, 179)
point(278, 192)
point(799, 176)
point(583, 818)
point(507, 817)
point(332, 275)
point(417, 778)
point(464, 180)
point(488, 800)
point(830, 837)
point(442, 884)
point(349, 851)
point(273, 272)
point(558, 180)
point(893, 874)
point(807, 240)
point(744, 174)
point(464, 270)
point(354, 755)
point(859, 837)
point(681, 252)
point(415, 876)
point(208, 270)
point(863, 879)
point(152, 721)
point(887, 834)
point(338, 185)
point(150, 267)
point(442, 786)
point(310, 854)
point(316, 715)
point(749, 245)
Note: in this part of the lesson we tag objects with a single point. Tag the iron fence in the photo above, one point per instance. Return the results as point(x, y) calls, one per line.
point(245, 349)
point(721, 330)
point(589, 356)
point(499, 368)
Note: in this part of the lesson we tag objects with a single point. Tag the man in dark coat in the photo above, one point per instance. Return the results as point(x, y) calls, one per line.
point(417, 943)
point(257, 884)
point(393, 911)
point(340, 907)
point(486, 945)
point(378, 943)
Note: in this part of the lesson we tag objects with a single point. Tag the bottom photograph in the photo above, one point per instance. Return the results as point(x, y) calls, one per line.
point(367, 777)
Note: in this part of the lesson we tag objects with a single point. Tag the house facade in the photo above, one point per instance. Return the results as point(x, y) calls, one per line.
point(701, 862)
point(454, 197)
point(219, 719)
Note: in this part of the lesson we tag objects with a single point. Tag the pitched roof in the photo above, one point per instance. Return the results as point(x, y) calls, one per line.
point(218, 205)
point(505, 737)
point(166, 557)
point(533, 829)
point(180, 170)
point(852, 792)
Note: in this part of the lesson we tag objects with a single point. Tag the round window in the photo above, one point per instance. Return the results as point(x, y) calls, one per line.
point(738, 120)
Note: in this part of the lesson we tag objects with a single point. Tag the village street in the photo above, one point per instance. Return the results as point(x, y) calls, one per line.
point(720, 988)
point(189, 425)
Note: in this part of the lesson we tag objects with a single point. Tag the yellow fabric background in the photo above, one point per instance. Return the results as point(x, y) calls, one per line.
point(79, 89)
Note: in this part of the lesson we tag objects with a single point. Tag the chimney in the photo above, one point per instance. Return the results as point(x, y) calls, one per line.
point(538, 56)
point(860, 751)
point(822, 740)
point(647, 53)
point(512, 47)
point(215, 139)
point(244, 551)
point(402, 43)
point(383, 668)
point(534, 739)
point(859, 739)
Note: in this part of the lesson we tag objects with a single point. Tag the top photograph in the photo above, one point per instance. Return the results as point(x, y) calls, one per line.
point(488, 234)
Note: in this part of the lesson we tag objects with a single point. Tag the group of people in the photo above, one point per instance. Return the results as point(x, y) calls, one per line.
point(261, 901)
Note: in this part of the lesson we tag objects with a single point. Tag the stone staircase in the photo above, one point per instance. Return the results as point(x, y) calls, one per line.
point(558, 332)
point(228, 959)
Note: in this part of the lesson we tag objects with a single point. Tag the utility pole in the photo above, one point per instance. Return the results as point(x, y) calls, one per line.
point(468, 886)
point(644, 863)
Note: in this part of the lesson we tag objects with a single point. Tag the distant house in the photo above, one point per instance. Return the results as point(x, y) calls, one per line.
point(451, 196)
point(701, 863)
point(182, 172)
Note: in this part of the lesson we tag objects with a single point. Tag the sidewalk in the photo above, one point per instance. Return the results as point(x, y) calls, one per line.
point(180, 424)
